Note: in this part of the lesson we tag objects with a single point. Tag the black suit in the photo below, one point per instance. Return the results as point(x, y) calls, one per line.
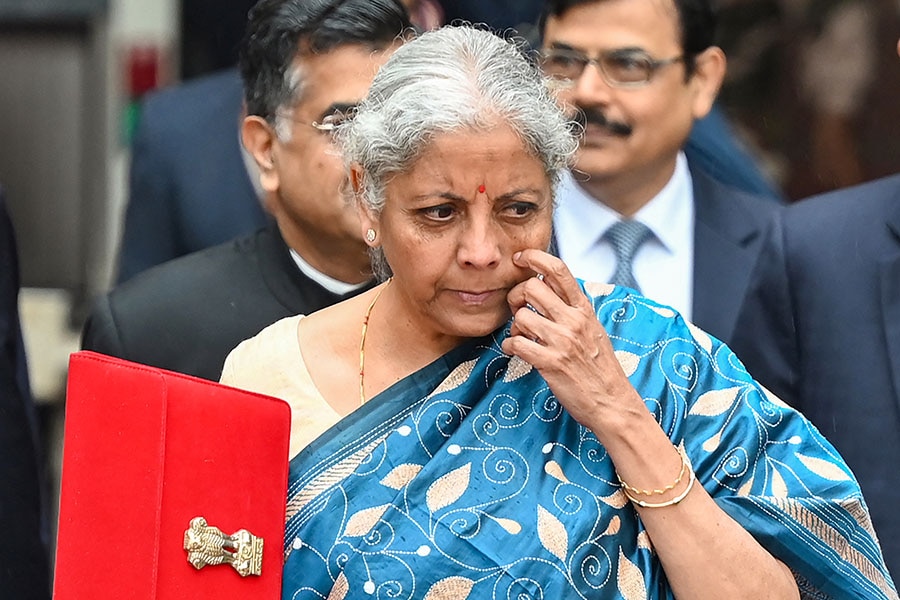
point(24, 564)
point(187, 315)
point(820, 327)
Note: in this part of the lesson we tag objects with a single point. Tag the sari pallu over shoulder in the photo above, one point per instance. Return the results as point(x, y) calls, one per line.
point(468, 479)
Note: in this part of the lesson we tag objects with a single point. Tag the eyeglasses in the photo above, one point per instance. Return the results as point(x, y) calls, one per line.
point(619, 68)
point(329, 123)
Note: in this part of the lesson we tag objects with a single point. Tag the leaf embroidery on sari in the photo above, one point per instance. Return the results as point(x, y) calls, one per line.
point(629, 361)
point(712, 443)
point(553, 469)
point(362, 522)
point(643, 541)
point(340, 589)
point(448, 488)
point(563, 469)
point(451, 588)
point(664, 311)
point(400, 476)
point(513, 527)
point(552, 534)
point(823, 468)
point(615, 524)
point(779, 487)
point(773, 398)
point(456, 378)
point(714, 403)
point(616, 500)
point(701, 337)
point(630, 579)
point(516, 368)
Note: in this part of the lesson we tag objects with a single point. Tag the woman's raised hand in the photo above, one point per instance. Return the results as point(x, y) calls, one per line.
point(555, 330)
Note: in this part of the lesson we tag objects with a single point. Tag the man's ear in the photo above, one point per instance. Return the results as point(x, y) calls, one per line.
point(367, 219)
point(260, 141)
point(709, 73)
point(356, 179)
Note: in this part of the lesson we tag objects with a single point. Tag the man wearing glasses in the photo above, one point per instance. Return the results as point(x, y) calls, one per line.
point(304, 65)
point(637, 74)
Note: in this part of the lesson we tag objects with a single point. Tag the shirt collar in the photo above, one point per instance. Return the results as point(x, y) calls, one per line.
point(670, 212)
point(331, 284)
point(580, 218)
point(667, 214)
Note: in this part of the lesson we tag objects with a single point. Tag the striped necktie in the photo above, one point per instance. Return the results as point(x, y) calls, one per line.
point(626, 237)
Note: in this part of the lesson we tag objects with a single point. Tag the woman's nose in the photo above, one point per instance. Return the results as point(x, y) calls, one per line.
point(479, 244)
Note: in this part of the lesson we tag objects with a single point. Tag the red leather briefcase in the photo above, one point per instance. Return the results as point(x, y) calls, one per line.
point(172, 486)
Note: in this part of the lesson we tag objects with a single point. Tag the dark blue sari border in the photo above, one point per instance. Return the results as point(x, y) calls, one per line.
point(384, 410)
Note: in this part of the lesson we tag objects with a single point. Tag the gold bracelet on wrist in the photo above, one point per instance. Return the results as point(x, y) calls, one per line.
point(673, 501)
point(633, 490)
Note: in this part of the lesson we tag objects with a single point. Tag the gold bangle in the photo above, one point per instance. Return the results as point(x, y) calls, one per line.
point(671, 502)
point(671, 486)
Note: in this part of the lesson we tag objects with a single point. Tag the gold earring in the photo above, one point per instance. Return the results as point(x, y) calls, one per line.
point(371, 235)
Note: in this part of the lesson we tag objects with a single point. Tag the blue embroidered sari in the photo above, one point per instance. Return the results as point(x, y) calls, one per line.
point(468, 479)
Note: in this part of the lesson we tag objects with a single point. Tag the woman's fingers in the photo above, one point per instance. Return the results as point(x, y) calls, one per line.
point(554, 273)
point(539, 315)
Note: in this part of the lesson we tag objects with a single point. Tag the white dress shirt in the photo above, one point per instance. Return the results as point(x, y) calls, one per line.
point(335, 286)
point(663, 266)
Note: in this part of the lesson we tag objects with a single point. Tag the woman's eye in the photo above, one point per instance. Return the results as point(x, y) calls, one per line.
point(439, 213)
point(520, 209)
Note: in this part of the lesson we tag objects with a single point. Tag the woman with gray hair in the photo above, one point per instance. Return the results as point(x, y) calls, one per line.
point(495, 428)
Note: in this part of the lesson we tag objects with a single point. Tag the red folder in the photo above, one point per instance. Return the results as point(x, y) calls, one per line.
point(145, 452)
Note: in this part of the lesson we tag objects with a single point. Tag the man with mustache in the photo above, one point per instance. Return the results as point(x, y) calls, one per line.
point(637, 74)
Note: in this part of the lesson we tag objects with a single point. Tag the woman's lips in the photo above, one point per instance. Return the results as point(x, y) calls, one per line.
point(476, 297)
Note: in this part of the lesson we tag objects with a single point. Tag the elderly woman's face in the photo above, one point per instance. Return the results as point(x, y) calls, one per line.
point(452, 223)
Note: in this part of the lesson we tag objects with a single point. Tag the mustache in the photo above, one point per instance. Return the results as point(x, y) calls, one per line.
point(589, 116)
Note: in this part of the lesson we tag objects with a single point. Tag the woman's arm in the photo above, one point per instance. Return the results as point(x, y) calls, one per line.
point(705, 553)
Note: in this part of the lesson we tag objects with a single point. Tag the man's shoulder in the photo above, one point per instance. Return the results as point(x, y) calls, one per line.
point(722, 205)
point(860, 215)
point(864, 201)
point(195, 277)
point(186, 314)
point(708, 183)
point(183, 104)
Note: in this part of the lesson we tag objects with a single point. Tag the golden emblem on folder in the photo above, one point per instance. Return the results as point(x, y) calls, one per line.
point(208, 545)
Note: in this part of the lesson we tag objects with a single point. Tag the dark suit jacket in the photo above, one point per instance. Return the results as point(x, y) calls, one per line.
point(24, 558)
point(820, 327)
point(189, 188)
point(188, 314)
point(729, 227)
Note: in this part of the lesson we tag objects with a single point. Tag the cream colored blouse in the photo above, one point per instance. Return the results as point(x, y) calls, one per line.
point(271, 363)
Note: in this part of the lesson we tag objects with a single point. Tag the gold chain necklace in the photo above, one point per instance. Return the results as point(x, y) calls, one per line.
point(362, 343)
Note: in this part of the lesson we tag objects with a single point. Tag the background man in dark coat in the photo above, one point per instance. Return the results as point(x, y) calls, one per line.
point(304, 66)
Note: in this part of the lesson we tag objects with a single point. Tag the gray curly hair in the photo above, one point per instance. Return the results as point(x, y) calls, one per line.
point(447, 80)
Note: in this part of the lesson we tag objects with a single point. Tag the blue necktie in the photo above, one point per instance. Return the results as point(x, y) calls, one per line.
point(626, 237)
